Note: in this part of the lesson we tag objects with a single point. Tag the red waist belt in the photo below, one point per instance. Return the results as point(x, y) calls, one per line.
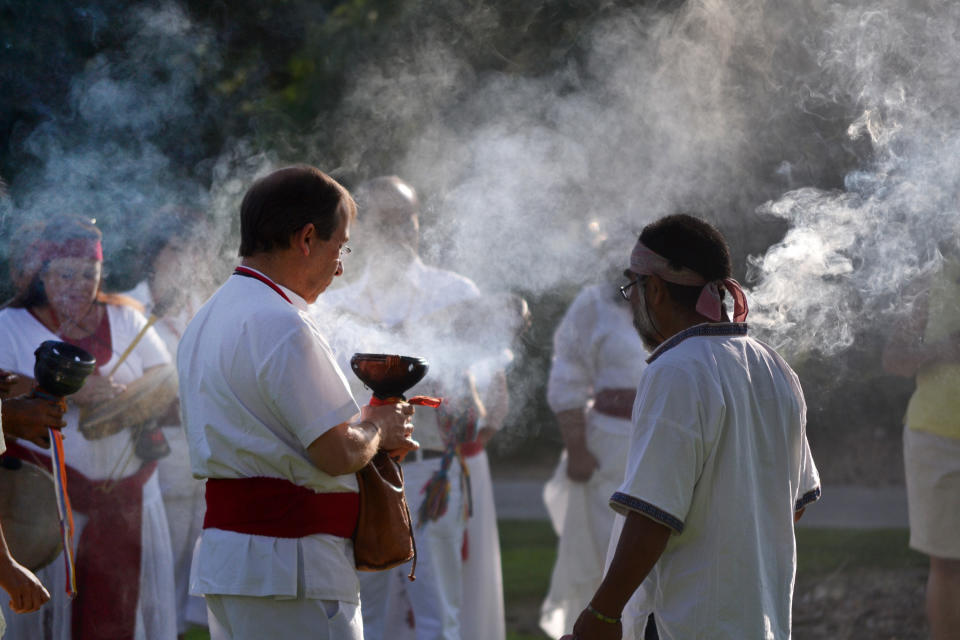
point(278, 508)
point(617, 403)
point(470, 449)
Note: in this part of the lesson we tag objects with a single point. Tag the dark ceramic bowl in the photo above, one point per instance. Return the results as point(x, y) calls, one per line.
point(60, 368)
point(388, 376)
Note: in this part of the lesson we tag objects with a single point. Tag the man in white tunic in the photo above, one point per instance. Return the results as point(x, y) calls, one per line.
point(598, 359)
point(403, 297)
point(719, 466)
point(273, 427)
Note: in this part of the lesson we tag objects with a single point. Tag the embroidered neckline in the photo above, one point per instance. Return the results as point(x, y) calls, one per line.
point(706, 329)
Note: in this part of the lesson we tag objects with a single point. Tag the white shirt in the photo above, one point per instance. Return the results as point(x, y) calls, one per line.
point(386, 321)
point(416, 293)
point(719, 454)
point(595, 347)
point(112, 456)
point(258, 384)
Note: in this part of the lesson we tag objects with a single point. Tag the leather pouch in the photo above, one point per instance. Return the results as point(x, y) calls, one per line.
point(384, 535)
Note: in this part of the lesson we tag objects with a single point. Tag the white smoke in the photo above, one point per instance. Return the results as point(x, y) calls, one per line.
point(714, 107)
point(108, 155)
point(850, 253)
point(659, 111)
point(841, 116)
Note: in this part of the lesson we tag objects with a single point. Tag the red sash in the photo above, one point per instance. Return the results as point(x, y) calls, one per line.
point(278, 508)
point(617, 403)
point(108, 551)
point(470, 449)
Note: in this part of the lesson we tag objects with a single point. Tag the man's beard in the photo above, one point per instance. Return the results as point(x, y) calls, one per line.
point(644, 325)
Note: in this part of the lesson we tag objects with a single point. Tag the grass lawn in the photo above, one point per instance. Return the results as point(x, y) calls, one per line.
point(529, 549)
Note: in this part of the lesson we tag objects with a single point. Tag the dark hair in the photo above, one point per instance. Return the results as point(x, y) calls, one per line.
point(687, 241)
point(280, 204)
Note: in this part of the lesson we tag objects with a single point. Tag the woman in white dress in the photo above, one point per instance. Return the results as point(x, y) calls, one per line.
point(597, 362)
point(122, 545)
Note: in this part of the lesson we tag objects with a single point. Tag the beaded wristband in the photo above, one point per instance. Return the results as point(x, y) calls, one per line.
point(599, 616)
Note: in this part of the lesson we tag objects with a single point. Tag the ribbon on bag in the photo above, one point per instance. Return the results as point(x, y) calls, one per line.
point(425, 401)
point(458, 428)
point(64, 510)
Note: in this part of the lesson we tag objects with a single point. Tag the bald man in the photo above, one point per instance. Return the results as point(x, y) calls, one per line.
point(404, 298)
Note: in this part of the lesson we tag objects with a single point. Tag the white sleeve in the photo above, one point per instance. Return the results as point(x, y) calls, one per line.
point(302, 384)
point(452, 288)
point(9, 347)
point(18, 342)
point(570, 384)
point(808, 487)
point(667, 450)
point(808, 490)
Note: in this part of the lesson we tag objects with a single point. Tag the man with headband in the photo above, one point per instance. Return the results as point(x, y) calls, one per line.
point(719, 466)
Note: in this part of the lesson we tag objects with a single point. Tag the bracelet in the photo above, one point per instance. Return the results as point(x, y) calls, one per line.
point(599, 616)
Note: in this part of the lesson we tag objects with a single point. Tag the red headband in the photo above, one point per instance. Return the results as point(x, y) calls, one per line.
point(89, 248)
point(645, 262)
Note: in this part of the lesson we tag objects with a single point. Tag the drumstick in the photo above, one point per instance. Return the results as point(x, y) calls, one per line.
point(123, 356)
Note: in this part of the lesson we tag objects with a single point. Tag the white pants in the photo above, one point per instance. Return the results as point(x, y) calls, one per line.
point(253, 618)
point(429, 608)
point(481, 614)
point(583, 519)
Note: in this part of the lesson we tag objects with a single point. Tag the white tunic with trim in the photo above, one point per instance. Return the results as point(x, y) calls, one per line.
point(364, 319)
point(258, 384)
point(595, 347)
point(109, 457)
point(719, 454)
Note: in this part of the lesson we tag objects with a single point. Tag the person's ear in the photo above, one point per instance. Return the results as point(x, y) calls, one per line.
point(657, 292)
point(305, 239)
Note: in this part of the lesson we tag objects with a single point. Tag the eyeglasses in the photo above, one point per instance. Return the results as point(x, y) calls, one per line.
point(625, 289)
point(345, 251)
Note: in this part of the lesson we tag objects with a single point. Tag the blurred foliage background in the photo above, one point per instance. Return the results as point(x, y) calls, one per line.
point(274, 74)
